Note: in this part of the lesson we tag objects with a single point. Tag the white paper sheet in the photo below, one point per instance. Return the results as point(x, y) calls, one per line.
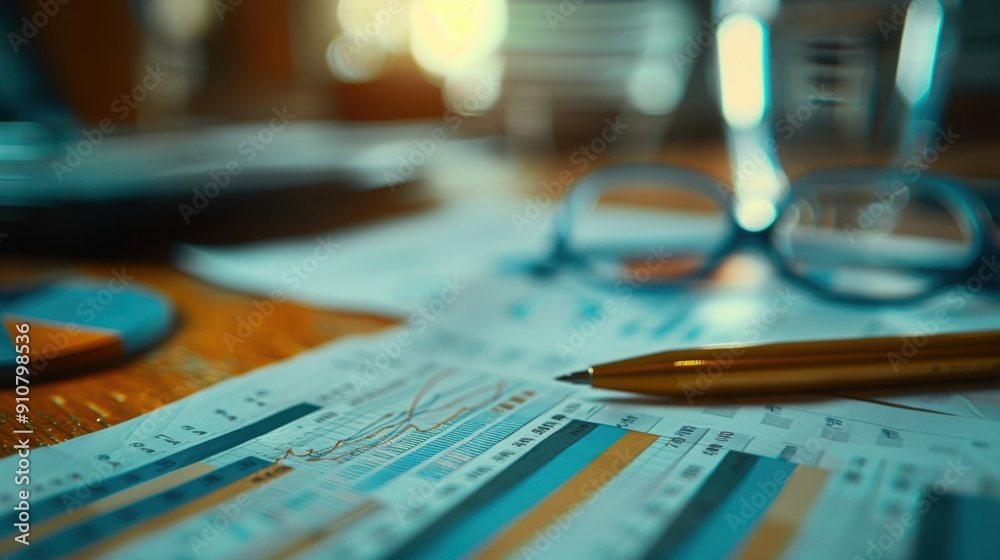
point(384, 440)
point(389, 268)
point(571, 320)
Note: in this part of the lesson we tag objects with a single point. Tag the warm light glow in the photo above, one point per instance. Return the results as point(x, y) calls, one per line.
point(351, 64)
point(454, 36)
point(182, 20)
point(472, 93)
point(765, 183)
point(375, 23)
point(755, 214)
point(355, 14)
point(742, 48)
point(918, 50)
point(758, 180)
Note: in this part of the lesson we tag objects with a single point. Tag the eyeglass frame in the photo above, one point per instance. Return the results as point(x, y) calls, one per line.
point(968, 206)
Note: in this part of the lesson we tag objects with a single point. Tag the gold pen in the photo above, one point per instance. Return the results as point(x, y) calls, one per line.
point(822, 365)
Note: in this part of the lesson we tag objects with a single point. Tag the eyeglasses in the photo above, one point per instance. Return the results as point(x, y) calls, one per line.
point(865, 235)
point(869, 235)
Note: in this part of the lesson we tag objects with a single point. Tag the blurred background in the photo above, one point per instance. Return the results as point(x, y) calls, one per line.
point(114, 115)
point(196, 149)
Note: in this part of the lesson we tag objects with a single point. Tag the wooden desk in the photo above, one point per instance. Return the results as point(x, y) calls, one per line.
point(193, 357)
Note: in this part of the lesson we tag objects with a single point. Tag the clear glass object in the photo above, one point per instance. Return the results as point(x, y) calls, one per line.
point(799, 78)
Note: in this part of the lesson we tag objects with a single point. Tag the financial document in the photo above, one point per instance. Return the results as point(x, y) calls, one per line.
point(445, 448)
point(572, 322)
point(447, 438)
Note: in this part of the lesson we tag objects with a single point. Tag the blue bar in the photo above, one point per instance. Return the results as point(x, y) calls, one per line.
point(505, 481)
point(77, 497)
point(106, 525)
point(423, 453)
point(484, 441)
point(713, 493)
point(513, 422)
point(721, 532)
point(959, 527)
point(477, 528)
point(974, 527)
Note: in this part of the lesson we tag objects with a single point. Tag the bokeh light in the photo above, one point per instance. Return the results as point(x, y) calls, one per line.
point(449, 37)
point(183, 21)
point(742, 49)
point(918, 50)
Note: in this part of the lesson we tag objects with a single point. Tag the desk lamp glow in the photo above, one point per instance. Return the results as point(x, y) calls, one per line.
point(455, 43)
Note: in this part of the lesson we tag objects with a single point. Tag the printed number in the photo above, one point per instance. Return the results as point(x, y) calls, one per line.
point(23, 328)
point(712, 449)
point(23, 349)
point(21, 370)
point(686, 431)
point(21, 359)
point(167, 439)
point(226, 415)
point(21, 339)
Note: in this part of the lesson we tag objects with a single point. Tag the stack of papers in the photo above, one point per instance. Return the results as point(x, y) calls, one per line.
point(446, 438)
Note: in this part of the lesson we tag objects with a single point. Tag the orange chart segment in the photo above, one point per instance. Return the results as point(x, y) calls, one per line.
point(571, 496)
point(66, 338)
point(786, 514)
point(54, 341)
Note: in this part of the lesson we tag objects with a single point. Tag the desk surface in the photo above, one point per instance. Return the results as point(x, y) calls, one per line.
point(196, 356)
point(193, 357)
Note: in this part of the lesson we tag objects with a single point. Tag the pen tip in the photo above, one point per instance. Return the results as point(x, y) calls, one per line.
point(579, 377)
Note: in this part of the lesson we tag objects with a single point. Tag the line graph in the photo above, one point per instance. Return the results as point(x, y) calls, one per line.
point(423, 406)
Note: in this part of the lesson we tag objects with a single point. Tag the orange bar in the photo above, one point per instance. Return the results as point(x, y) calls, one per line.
point(173, 516)
point(570, 497)
point(786, 514)
point(328, 531)
point(115, 501)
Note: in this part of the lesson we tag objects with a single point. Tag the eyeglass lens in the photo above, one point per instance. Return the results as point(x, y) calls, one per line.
point(874, 238)
point(654, 232)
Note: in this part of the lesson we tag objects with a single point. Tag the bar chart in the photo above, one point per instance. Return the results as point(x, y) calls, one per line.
point(438, 461)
